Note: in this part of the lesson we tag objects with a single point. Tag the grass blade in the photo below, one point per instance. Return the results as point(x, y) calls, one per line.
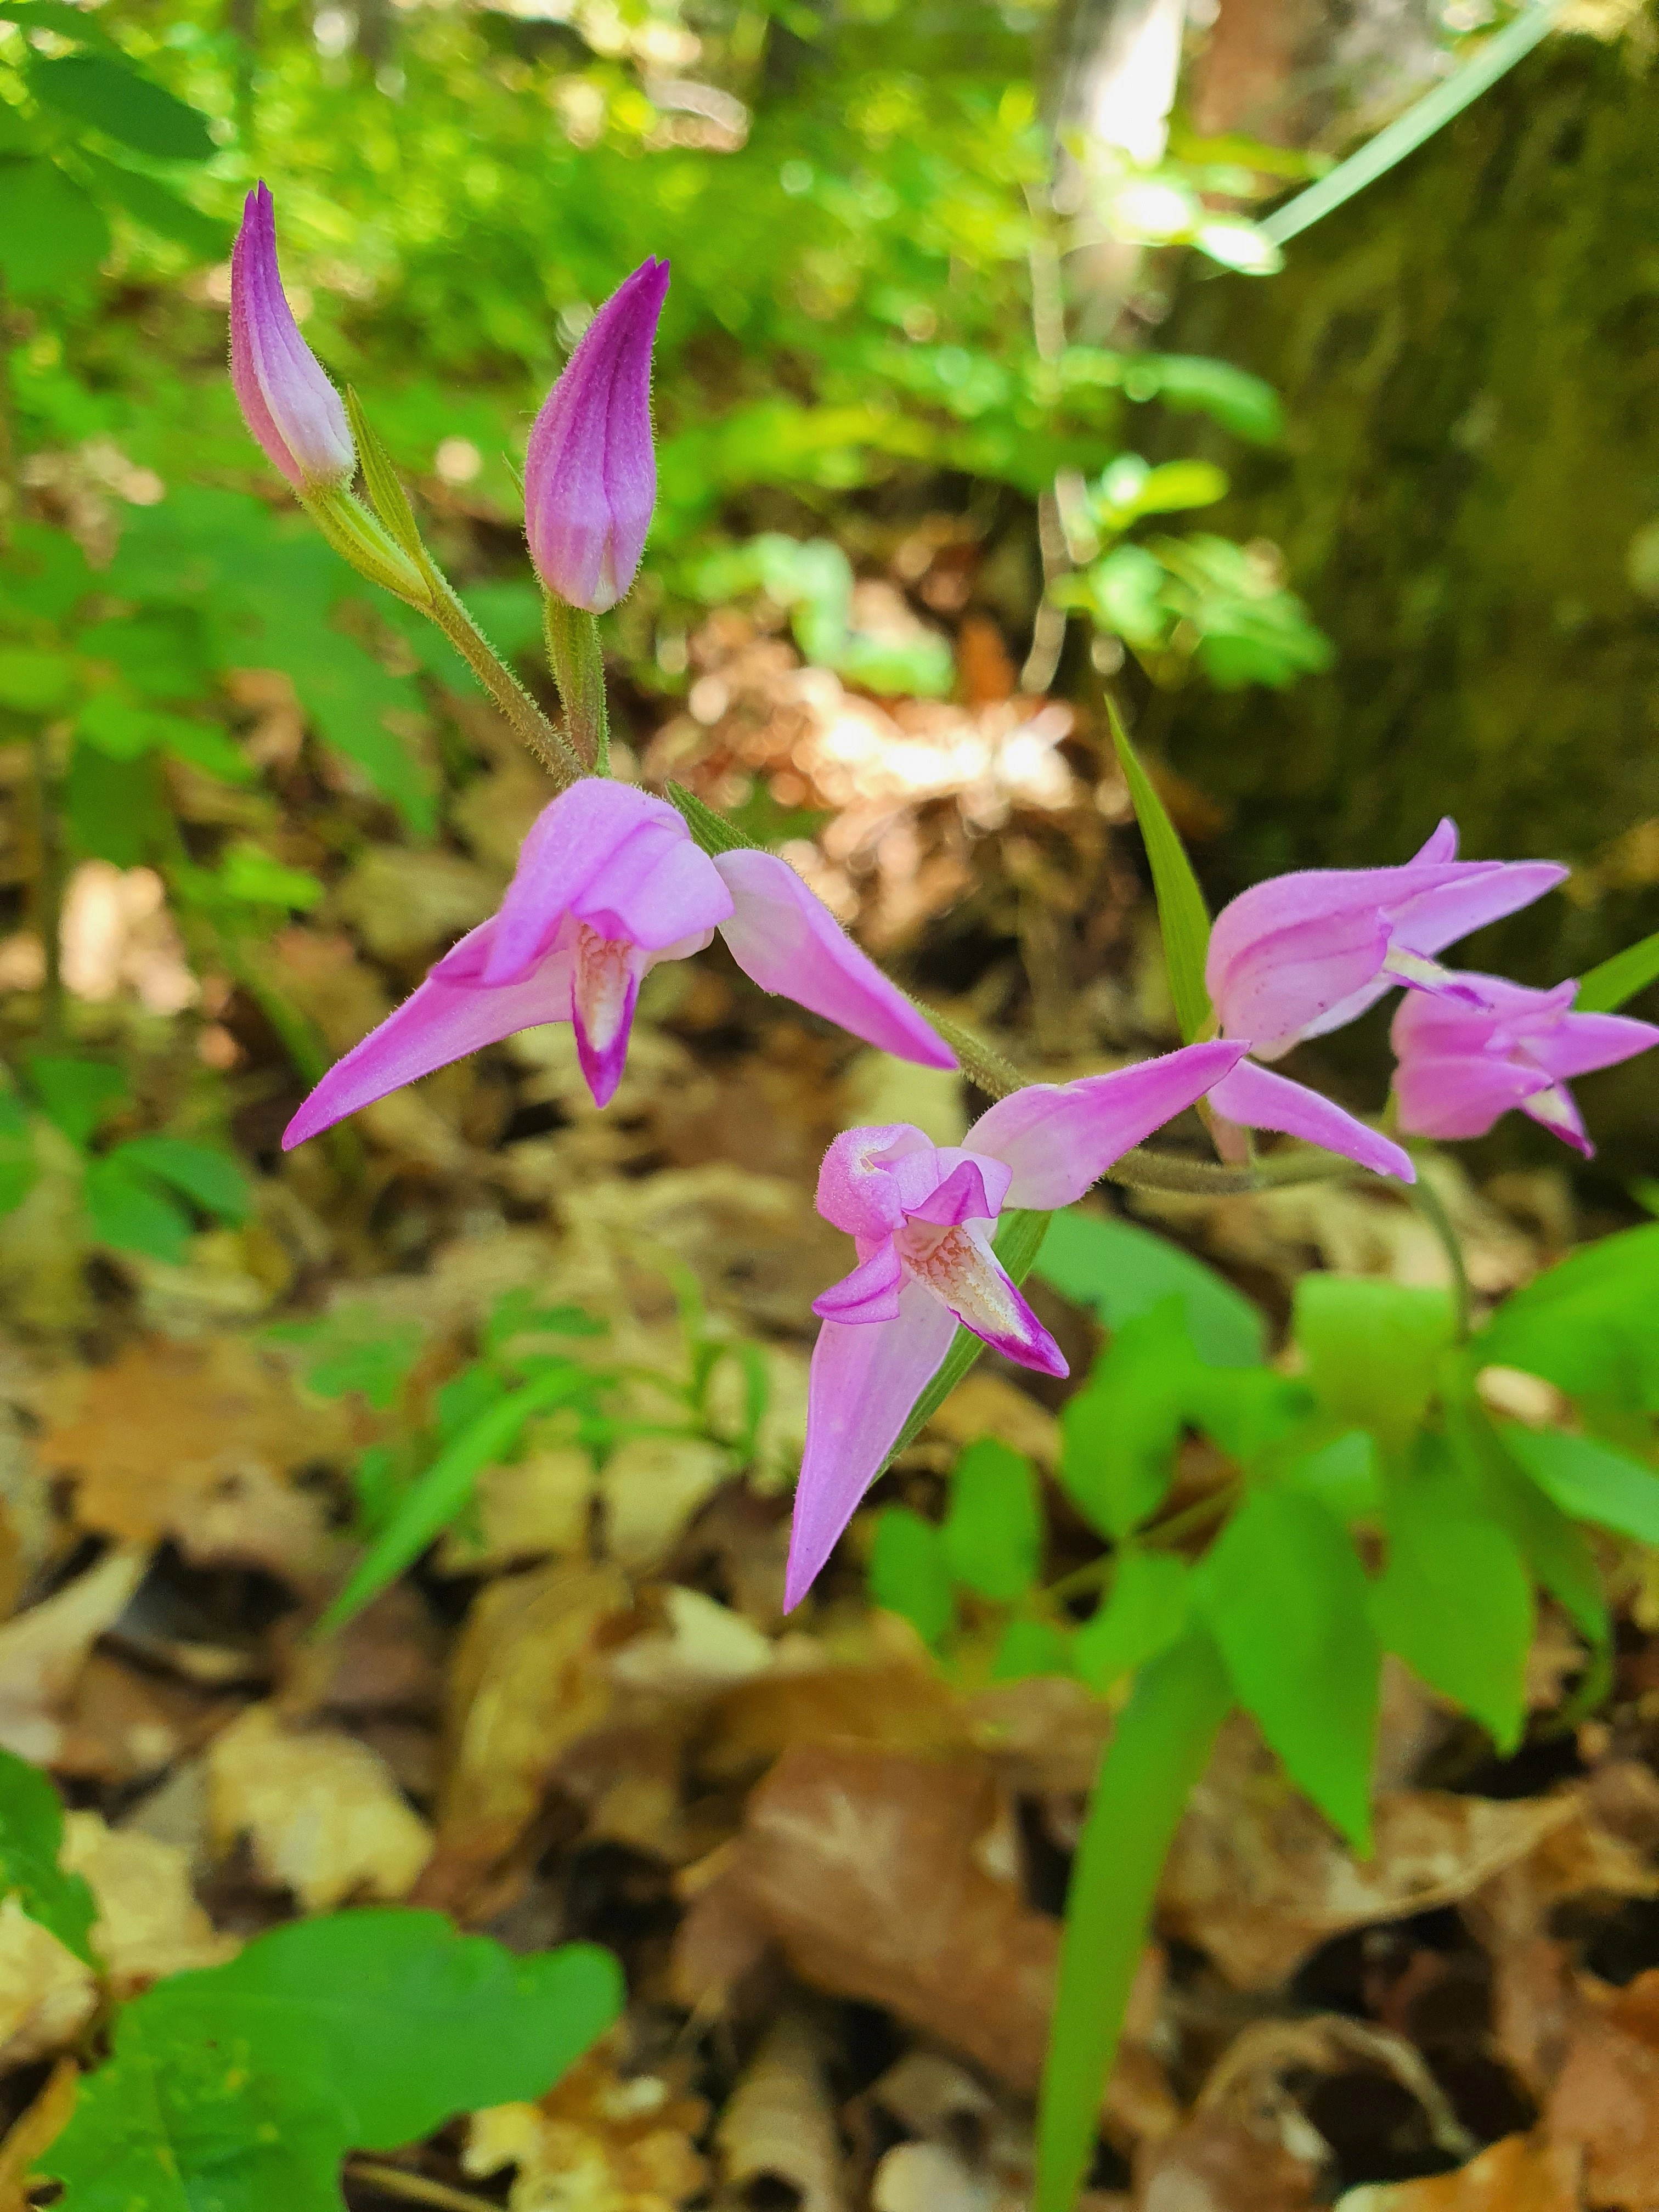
point(1150, 1768)
point(1182, 916)
point(1606, 987)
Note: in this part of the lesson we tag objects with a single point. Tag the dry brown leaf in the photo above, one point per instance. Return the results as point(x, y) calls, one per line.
point(652, 1485)
point(402, 902)
point(930, 2177)
point(1220, 2162)
point(196, 1442)
point(1258, 1879)
point(537, 1507)
point(990, 1405)
point(35, 2132)
point(124, 1724)
point(42, 1652)
point(148, 1922)
point(321, 1812)
point(777, 2137)
point(862, 1866)
point(1522, 2173)
point(46, 1994)
point(1605, 2103)
point(700, 1646)
point(598, 2141)
point(530, 1679)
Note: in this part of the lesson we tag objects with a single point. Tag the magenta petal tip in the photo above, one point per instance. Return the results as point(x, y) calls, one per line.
point(285, 396)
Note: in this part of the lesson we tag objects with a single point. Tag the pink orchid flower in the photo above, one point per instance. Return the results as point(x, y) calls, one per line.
point(608, 883)
point(286, 398)
point(590, 473)
point(922, 1215)
point(1300, 955)
point(1462, 1067)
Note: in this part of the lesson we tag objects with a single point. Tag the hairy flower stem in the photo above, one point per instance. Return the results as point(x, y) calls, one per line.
point(1432, 1207)
point(574, 655)
point(531, 726)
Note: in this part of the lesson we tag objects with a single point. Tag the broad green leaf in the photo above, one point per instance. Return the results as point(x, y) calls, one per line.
point(1588, 1480)
point(1123, 1271)
point(993, 1531)
point(1144, 1614)
point(31, 1833)
point(210, 1179)
point(62, 16)
point(909, 1574)
point(1285, 1598)
point(133, 110)
point(1552, 1546)
point(435, 1497)
point(1606, 989)
point(1157, 1756)
point(157, 208)
point(1586, 1324)
point(357, 1348)
point(115, 727)
point(52, 237)
point(1182, 916)
point(131, 1213)
point(35, 683)
point(241, 2088)
point(1031, 1647)
point(75, 1094)
point(1456, 1599)
point(1246, 1410)
point(115, 807)
point(253, 878)
point(1118, 1434)
point(1341, 1473)
point(1372, 1348)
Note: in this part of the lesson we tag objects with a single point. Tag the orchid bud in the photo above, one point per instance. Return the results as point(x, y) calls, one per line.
point(286, 398)
point(590, 478)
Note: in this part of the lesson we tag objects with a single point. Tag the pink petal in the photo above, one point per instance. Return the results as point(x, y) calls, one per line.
point(787, 940)
point(1583, 1043)
point(1260, 1100)
point(1276, 988)
point(1428, 919)
point(964, 1273)
point(870, 1293)
point(604, 985)
point(964, 1195)
point(862, 1187)
point(1557, 1110)
point(442, 1022)
point(284, 394)
point(1060, 1138)
point(864, 1382)
point(1441, 844)
point(1461, 1094)
point(614, 857)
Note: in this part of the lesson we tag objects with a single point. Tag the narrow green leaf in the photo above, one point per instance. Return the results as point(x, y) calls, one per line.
point(909, 1575)
point(113, 97)
point(1123, 1271)
point(384, 486)
point(1372, 1348)
point(1182, 916)
point(1145, 1614)
point(433, 1501)
point(993, 1531)
point(1154, 1761)
point(1418, 125)
point(31, 1833)
point(157, 208)
point(1588, 1480)
point(1606, 989)
point(712, 831)
point(1456, 1600)
point(1285, 1598)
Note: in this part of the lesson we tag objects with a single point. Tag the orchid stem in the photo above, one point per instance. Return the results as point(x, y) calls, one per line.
point(577, 659)
point(530, 725)
point(1432, 1207)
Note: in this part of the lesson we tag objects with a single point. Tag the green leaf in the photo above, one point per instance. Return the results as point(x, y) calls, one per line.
point(35, 683)
point(1606, 989)
point(1586, 1323)
point(1287, 1601)
point(1241, 403)
point(1552, 1545)
point(52, 237)
point(157, 209)
point(384, 486)
point(357, 1348)
point(909, 1574)
point(210, 1179)
point(1123, 1271)
point(1118, 1434)
point(435, 1497)
point(74, 1094)
point(1588, 1480)
point(1341, 1473)
point(96, 89)
point(1456, 1600)
point(242, 2087)
point(1031, 1647)
point(131, 1213)
point(1182, 916)
point(1144, 1614)
point(254, 878)
point(1157, 1756)
point(992, 1532)
point(30, 1833)
point(1373, 1349)
point(114, 807)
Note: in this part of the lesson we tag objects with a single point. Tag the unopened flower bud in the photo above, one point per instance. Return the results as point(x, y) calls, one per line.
point(286, 398)
point(590, 479)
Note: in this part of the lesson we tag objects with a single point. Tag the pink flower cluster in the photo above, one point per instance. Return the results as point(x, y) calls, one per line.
point(610, 882)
